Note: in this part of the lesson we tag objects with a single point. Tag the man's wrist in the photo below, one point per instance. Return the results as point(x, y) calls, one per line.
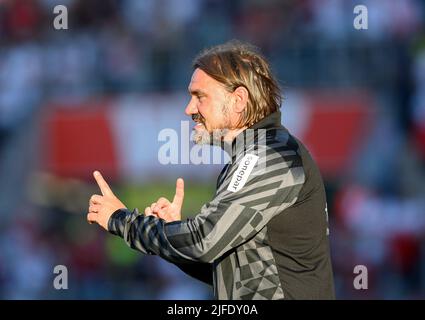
point(117, 221)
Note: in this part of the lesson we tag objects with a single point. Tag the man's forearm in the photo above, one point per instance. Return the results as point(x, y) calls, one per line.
point(197, 270)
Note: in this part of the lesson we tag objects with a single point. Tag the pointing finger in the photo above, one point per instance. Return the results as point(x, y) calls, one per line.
point(103, 185)
point(179, 196)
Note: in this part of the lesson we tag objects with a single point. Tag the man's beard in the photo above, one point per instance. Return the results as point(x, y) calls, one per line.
point(213, 138)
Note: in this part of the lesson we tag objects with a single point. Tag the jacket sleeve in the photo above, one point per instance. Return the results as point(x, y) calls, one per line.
point(230, 219)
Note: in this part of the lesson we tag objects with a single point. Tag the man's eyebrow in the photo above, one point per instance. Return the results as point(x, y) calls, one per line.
point(196, 92)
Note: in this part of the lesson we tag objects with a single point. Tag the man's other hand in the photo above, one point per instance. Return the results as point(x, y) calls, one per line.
point(169, 211)
point(102, 207)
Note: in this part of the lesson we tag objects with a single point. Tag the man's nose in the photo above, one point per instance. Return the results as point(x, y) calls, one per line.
point(191, 108)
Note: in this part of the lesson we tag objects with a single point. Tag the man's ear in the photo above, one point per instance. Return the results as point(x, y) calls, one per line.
point(241, 94)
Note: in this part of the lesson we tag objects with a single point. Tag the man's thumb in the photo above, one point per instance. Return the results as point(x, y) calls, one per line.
point(179, 196)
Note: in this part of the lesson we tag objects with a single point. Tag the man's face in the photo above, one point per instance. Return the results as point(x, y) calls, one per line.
point(210, 108)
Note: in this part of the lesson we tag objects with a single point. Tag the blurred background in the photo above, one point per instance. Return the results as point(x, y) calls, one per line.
point(97, 95)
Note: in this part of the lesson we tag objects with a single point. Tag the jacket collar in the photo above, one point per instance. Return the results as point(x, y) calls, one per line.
point(271, 121)
point(250, 136)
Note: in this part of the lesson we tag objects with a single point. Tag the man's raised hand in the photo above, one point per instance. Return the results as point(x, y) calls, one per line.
point(164, 209)
point(101, 207)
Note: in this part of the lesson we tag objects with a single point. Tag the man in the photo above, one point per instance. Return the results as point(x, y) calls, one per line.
point(265, 233)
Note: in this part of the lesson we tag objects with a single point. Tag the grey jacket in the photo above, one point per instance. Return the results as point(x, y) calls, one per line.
point(265, 233)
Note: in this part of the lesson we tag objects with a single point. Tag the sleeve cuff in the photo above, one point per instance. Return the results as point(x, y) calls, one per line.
point(118, 220)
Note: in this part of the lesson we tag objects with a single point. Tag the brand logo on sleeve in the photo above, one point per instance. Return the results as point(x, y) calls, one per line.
point(240, 177)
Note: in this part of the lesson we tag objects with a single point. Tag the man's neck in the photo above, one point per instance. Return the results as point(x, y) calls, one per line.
point(232, 134)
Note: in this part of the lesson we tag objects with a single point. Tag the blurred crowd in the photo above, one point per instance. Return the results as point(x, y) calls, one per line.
point(377, 208)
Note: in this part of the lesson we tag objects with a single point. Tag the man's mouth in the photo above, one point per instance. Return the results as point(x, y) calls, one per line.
point(198, 122)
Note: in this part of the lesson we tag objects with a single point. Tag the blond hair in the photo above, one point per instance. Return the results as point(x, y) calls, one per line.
point(236, 64)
